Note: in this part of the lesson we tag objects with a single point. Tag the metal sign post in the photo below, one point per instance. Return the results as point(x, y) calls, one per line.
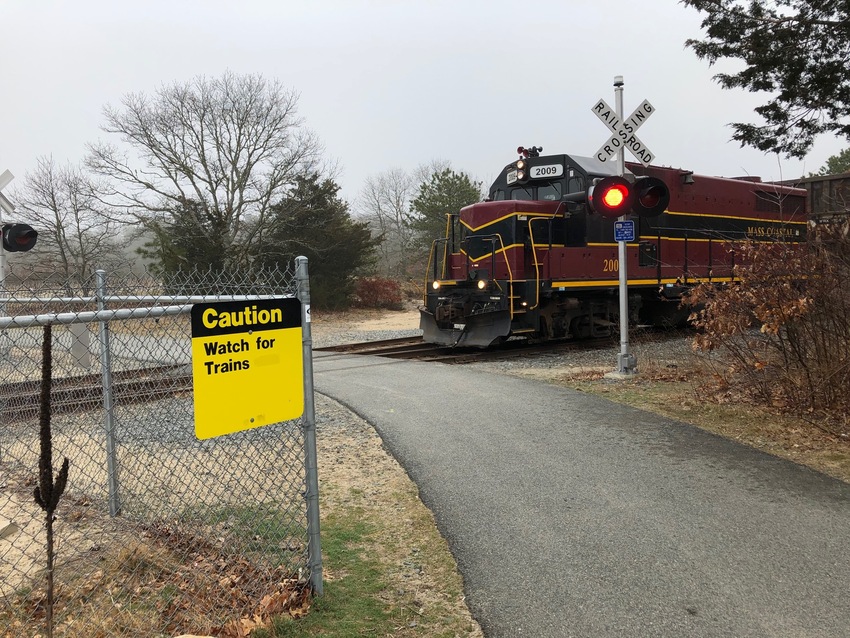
point(9, 208)
point(626, 362)
point(623, 136)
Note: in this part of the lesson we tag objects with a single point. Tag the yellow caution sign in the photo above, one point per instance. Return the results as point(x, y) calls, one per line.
point(247, 365)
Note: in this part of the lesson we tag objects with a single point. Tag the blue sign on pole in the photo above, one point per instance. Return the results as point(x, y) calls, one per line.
point(624, 231)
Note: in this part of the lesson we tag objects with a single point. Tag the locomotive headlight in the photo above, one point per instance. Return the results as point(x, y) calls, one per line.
point(435, 285)
point(482, 284)
point(521, 170)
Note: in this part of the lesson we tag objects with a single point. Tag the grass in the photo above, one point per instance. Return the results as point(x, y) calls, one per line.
point(352, 604)
point(127, 594)
point(688, 398)
point(363, 595)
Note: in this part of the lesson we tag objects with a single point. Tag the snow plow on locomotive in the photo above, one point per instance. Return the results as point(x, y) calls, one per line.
point(537, 258)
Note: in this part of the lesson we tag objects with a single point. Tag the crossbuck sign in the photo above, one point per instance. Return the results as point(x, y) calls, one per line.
point(624, 132)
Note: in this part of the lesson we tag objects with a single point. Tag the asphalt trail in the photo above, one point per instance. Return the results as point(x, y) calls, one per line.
point(570, 515)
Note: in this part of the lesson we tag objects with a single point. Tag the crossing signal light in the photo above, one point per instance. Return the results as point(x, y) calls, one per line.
point(18, 238)
point(615, 196)
point(611, 196)
point(651, 196)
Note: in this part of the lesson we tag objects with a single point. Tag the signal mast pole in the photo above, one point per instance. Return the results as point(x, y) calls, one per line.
point(626, 362)
point(5, 205)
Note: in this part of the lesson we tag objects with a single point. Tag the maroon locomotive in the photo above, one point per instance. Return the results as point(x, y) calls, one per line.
point(538, 257)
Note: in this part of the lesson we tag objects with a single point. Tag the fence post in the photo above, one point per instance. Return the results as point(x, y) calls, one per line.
point(314, 541)
point(108, 410)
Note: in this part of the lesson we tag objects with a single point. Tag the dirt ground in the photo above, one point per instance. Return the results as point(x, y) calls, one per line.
point(21, 518)
point(365, 320)
point(355, 472)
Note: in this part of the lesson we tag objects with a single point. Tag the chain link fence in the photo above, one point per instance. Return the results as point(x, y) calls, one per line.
point(158, 533)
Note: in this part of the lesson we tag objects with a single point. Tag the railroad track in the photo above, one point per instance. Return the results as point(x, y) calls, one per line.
point(20, 401)
point(384, 347)
point(415, 348)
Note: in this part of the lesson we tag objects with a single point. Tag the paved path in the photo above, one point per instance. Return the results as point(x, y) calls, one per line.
point(573, 516)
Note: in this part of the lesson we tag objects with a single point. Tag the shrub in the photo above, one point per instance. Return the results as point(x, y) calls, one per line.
point(379, 292)
point(785, 326)
point(330, 293)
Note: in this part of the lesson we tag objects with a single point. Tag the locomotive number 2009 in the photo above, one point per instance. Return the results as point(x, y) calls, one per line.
point(610, 265)
point(549, 170)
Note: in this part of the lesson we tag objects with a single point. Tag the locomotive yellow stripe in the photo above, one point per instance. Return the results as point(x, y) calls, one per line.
point(669, 212)
point(500, 250)
point(596, 283)
point(718, 239)
point(503, 218)
point(506, 248)
point(748, 219)
point(691, 239)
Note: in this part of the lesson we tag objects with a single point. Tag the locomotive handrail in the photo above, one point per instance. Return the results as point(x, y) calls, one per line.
point(510, 276)
point(431, 260)
point(449, 233)
point(449, 236)
point(534, 257)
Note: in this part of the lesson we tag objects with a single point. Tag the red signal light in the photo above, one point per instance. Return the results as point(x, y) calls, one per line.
point(649, 199)
point(652, 196)
point(615, 196)
point(611, 196)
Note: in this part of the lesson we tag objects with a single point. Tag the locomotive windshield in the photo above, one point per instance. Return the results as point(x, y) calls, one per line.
point(546, 191)
point(551, 192)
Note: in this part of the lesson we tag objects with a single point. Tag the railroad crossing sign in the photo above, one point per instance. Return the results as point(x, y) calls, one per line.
point(624, 131)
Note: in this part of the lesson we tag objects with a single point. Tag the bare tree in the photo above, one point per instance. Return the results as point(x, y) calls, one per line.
point(76, 232)
point(216, 152)
point(385, 202)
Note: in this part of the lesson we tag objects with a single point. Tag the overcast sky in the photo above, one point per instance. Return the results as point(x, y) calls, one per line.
point(386, 84)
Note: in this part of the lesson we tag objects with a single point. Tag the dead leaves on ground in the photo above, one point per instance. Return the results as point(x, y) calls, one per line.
point(290, 598)
point(227, 582)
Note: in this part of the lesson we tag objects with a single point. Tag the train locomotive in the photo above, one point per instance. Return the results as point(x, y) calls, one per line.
point(537, 258)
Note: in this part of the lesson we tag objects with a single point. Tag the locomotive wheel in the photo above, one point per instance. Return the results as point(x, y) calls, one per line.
point(580, 327)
